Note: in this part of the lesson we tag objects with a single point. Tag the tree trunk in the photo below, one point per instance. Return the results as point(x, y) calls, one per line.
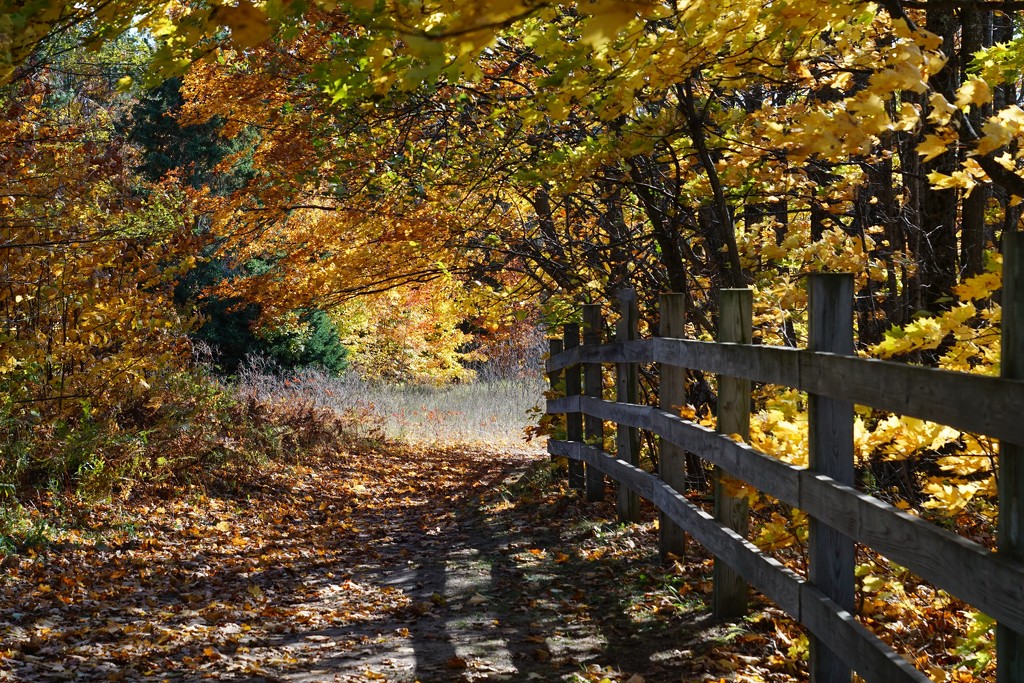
point(936, 238)
point(977, 34)
point(721, 224)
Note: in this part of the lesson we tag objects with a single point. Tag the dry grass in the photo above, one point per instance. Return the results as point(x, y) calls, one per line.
point(493, 412)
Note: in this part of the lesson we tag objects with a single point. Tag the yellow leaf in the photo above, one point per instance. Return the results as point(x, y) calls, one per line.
point(928, 40)
point(942, 110)
point(975, 91)
point(1013, 114)
point(902, 76)
point(609, 18)
point(871, 110)
point(978, 287)
point(996, 133)
point(249, 25)
point(941, 181)
point(687, 412)
point(931, 147)
point(908, 117)
point(873, 583)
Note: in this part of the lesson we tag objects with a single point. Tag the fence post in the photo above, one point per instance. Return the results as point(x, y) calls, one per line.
point(1009, 643)
point(555, 381)
point(573, 421)
point(830, 444)
point(671, 396)
point(593, 427)
point(627, 439)
point(730, 594)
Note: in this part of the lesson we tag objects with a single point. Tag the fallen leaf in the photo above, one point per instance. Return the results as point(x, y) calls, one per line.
point(477, 599)
point(456, 663)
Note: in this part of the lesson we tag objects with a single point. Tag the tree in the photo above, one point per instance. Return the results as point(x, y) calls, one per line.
point(85, 284)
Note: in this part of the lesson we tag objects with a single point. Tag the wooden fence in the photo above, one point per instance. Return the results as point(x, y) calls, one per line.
point(840, 516)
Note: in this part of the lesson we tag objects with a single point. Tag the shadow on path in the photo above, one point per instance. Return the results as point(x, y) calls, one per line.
point(405, 564)
point(499, 591)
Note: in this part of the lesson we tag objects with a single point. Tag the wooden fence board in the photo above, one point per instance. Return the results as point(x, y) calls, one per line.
point(556, 383)
point(955, 564)
point(1010, 534)
point(831, 555)
point(768, 364)
point(984, 405)
point(991, 583)
point(834, 379)
point(573, 387)
point(593, 427)
point(672, 460)
point(636, 351)
point(873, 658)
point(775, 581)
point(764, 472)
point(731, 592)
point(627, 388)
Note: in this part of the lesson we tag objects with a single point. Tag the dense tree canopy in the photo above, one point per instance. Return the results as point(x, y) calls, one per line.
point(404, 175)
point(581, 147)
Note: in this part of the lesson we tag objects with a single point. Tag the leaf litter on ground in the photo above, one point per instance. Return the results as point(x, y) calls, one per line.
point(393, 562)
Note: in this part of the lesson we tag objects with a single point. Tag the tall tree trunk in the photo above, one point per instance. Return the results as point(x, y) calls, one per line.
point(721, 223)
point(977, 34)
point(547, 251)
point(613, 220)
point(936, 238)
point(662, 211)
point(1004, 95)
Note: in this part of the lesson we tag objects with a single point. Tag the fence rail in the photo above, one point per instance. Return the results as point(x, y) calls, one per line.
point(971, 403)
point(993, 582)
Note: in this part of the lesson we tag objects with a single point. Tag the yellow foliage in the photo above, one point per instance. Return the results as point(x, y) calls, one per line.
point(972, 325)
point(408, 334)
point(932, 146)
point(974, 91)
point(86, 312)
point(249, 25)
point(780, 429)
point(952, 498)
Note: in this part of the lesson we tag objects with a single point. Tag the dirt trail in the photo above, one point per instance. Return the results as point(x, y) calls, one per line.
point(403, 564)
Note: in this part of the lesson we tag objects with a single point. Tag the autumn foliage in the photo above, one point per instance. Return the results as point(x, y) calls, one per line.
point(430, 189)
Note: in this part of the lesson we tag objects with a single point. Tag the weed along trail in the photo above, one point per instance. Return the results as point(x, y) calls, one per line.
point(396, 563)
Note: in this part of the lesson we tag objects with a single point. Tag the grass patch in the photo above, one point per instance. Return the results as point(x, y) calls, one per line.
point(492, 412)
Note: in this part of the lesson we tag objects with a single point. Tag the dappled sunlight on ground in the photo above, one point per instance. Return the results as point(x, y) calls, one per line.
point(394, 563)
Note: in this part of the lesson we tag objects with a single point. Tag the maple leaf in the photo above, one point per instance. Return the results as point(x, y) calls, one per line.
point(249, 24)
point(941, 110)
point(979, 287)
point(932, 146)
point(974, 91)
